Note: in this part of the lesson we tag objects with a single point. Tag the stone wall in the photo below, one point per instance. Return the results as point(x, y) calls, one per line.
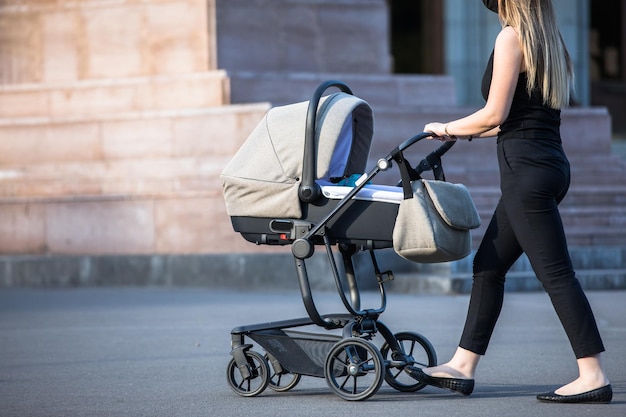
point(114, 126)
point(44, 41)
point(117, 124)
point(318, 36)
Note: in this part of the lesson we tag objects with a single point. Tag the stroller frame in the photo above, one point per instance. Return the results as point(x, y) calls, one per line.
point(353, 366)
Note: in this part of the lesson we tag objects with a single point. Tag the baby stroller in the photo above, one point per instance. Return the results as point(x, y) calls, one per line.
point(293, 183)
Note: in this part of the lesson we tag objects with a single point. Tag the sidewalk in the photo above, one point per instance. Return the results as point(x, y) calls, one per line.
point(164, 351)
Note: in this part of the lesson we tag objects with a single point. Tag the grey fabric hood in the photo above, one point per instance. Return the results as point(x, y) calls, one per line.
point(263, 177)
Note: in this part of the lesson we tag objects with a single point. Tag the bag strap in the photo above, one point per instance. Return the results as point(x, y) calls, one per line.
point(407, 174)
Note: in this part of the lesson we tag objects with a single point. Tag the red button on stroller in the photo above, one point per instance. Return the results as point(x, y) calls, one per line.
point(299, 180)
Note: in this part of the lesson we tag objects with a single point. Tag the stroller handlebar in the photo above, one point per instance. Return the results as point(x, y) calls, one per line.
point(432, 161)
point(411, 141)
point(440, 151)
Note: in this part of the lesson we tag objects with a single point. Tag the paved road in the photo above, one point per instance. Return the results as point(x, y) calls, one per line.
point(164, 352)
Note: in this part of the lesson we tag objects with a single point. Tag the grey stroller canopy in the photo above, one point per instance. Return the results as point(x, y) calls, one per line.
point(263, 177)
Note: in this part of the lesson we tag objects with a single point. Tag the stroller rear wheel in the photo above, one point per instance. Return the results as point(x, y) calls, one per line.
point(259, 375)
point(418, 349)
point(354, 369)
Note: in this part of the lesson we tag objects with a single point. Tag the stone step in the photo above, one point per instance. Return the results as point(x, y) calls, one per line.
point(122, 184)
point(579, 217)
point(138, 182)
point(130, 183)
point(586, 136)
point(463, 160)
point(609, 216)
point(591, 215)
point(116, 178)
point(158, 216)
point(577, 196)
point(595, 235)
point(580, 177)
point(585, 131)
point(379, 90)
point(470, 167)
point(602, 279)
point(579, 235)
point(113, 96)
point(597, 267)
point(402, 105)
point(583, 258)
point(575, 234)
point(592, 162)
point(130, 135)
point(164, 222)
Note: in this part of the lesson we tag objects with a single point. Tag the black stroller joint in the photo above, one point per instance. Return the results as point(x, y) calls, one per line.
point(309, 189)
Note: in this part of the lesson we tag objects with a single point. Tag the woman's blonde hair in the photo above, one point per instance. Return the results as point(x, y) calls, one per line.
point(548, 64)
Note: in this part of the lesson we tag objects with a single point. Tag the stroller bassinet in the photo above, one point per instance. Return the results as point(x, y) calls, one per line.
point(268, 184)
point(298, 180)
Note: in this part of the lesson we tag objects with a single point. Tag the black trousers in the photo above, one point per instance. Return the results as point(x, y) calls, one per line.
point(535, 176)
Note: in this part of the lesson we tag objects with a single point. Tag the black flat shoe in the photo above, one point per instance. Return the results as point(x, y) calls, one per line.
point(463, 386)
point(599, 395)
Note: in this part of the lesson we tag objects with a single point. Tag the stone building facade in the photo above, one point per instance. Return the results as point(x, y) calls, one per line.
point(116, 117)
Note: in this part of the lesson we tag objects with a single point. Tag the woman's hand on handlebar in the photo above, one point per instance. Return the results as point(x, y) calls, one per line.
point(438, 131)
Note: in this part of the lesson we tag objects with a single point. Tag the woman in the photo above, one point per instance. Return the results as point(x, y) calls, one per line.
point(527, 81)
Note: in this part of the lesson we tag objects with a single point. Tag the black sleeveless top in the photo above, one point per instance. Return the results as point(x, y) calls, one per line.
point(528, 118)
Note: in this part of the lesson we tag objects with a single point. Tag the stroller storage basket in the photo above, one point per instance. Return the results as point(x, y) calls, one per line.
point(298, 352)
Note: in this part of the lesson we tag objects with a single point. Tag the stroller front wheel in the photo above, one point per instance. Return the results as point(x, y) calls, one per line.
point(258, 379)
